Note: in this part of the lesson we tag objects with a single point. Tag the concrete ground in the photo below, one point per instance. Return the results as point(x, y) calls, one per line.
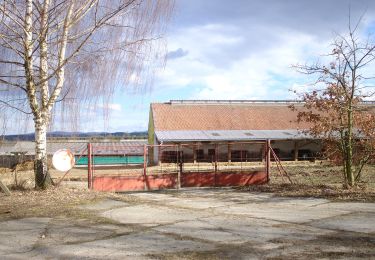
point(199, 224)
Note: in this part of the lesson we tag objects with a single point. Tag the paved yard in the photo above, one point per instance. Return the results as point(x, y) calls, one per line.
point(199, 224)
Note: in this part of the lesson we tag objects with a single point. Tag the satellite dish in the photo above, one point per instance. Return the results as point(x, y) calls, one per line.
point(63, 160)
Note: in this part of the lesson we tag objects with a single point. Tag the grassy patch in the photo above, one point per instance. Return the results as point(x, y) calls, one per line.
point(58, 201)
point(322, 181)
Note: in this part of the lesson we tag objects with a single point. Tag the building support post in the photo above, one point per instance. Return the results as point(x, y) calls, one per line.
point(159, 155)
point(268, 159)
point(195, 153)
point(295, 155)
point(229, 152)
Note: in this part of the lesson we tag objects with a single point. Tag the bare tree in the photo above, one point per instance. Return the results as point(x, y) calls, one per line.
point(71, 51)
point(336, 107)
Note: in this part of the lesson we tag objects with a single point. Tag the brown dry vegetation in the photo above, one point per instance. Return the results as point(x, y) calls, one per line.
point(310, 180)
point(322, 181)
point(58, 201)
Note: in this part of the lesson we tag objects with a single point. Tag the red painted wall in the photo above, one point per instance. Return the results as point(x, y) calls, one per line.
point(168, 181)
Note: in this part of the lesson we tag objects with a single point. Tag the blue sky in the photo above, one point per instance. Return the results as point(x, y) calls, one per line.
point(240, 50)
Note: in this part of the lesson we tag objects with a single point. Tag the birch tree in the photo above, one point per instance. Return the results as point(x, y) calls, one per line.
point(337, 107)
point(72, 51)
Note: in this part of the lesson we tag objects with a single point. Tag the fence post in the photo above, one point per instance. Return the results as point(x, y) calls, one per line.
point(268, 159)
point(179, 161)
point(216, 157)
point(89, 166)
point(145, 166)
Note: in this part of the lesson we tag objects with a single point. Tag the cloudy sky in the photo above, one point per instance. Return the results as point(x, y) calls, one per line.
point(240, 49)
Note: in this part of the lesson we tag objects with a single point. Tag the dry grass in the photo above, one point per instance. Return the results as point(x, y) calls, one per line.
point(57, 201)
point(310, 180)
point(321, 191)
point(323, 174)
point(319, 180)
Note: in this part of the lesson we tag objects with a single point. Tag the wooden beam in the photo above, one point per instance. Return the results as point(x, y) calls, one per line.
point(5, 189)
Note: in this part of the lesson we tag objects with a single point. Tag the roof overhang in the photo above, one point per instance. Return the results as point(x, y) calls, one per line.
point(230, 135)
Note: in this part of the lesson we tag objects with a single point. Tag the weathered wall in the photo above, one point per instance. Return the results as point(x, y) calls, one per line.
point(169, 181)
point(9, 161)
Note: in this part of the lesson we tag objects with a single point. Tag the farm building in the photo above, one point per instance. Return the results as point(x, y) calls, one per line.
point(106, 152)
point(227, 131)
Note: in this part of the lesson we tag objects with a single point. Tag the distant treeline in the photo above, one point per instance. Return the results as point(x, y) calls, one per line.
point(79, 135)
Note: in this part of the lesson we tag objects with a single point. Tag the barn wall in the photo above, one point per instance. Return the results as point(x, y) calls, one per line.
point(249, 151)
point(9, 161)
point(285, 149)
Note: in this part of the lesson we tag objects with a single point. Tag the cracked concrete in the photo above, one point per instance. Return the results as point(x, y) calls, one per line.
point(199, 224)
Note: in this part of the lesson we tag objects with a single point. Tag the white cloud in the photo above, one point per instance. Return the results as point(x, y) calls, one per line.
point(109, 106)
point(264, 73)
point(116, 107)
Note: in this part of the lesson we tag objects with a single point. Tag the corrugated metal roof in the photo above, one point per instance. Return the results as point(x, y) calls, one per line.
point(7, 147)
point(229, 135)
point(122, 147)
point(128, 147)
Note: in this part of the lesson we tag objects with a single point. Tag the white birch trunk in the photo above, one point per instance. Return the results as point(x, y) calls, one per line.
point(42, 177)
point(47, 35)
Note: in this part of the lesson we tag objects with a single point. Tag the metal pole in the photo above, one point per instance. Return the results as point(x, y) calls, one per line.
point(89, 165)
point(145, 166)
point(179, 154)
point(216, 156)
point(268, 159)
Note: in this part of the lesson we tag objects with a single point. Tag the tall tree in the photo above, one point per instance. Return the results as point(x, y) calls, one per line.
point(336, 107)
point(71, 51)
